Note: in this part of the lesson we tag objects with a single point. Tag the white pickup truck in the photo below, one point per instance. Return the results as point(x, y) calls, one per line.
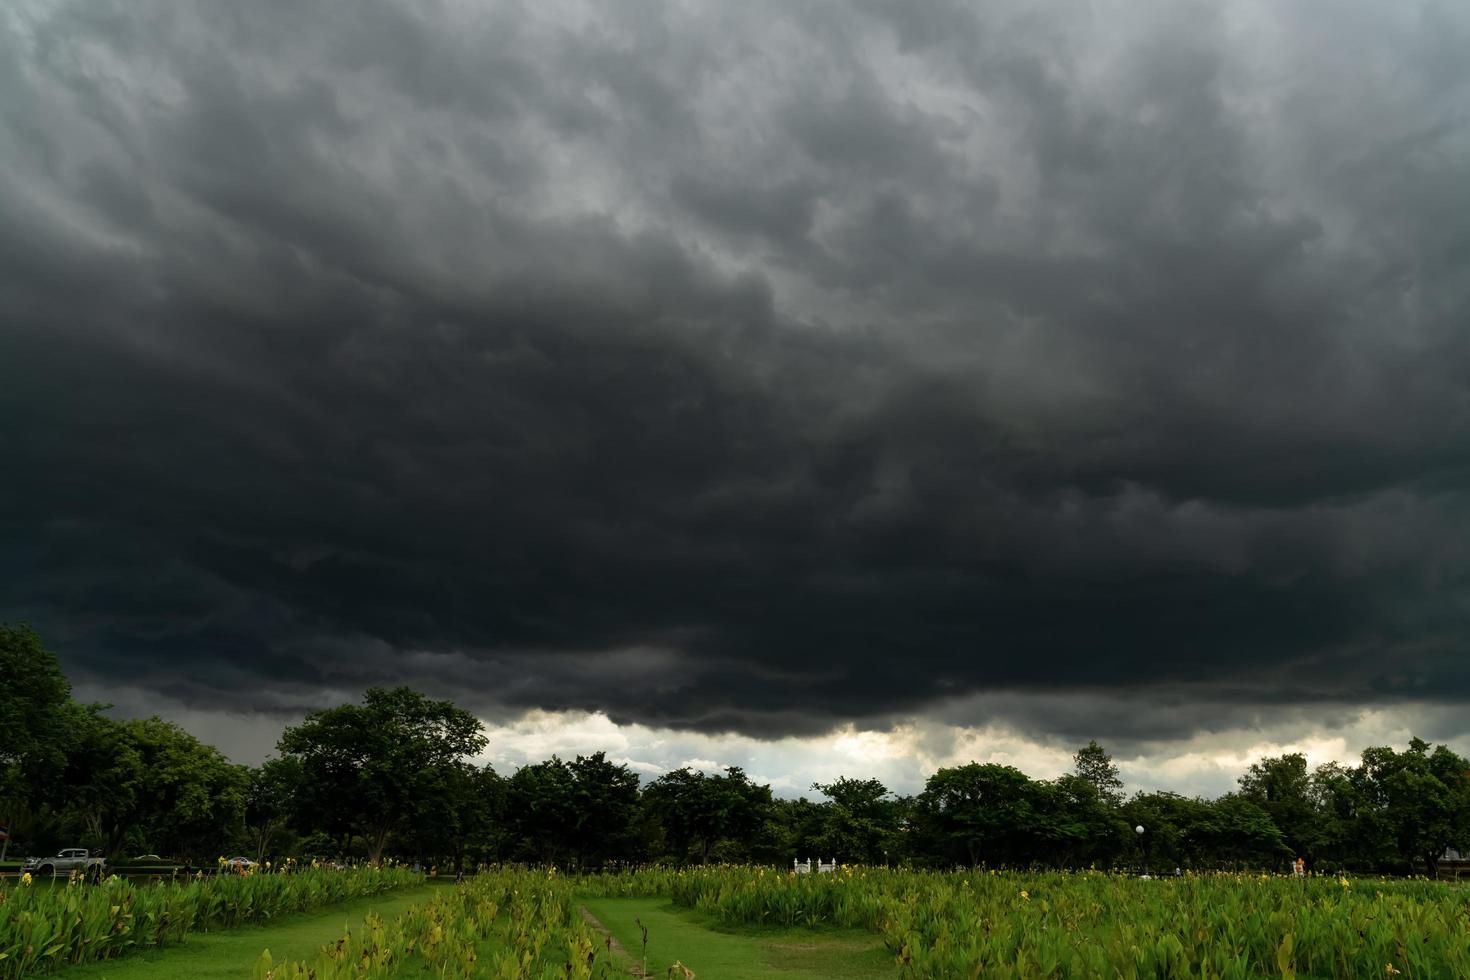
point(65, 862)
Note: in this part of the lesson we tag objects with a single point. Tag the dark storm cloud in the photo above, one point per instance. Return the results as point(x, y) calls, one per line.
point(740, 368)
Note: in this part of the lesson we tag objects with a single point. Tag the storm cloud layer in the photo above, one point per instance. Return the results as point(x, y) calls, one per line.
point(746, 367)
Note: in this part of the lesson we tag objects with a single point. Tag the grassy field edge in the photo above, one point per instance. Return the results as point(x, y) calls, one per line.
point(233, 952)
point(716, 952)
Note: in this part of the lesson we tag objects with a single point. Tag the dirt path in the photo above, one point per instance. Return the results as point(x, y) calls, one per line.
point(611, 944)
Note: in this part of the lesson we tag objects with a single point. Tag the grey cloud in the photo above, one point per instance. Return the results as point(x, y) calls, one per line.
point(738, 368)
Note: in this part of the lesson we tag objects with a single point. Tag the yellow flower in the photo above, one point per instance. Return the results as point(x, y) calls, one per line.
point(1344, 882)
point(1390, 970)
point(1025, 894)
point(26, 879)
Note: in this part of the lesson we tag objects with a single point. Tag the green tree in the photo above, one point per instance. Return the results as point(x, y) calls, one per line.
point(1416, 801)
point(377, 762)
point(675, 801)
point(605, 801)
point(190, 799)
point(541, 812)
point(699, 812)
point(791, 828)
point(976, 812)
point(482, 815)
point(861, 824)
point(1075, 823)
point(1172, 831)
point(1282, 786)
point(99, 786)
point(1093, 763)
point(583, 812)
point(458, 820)
point(34, 732)
point(1338, 805)
point(270, 801)
point(1237, 831)
point(146, 782)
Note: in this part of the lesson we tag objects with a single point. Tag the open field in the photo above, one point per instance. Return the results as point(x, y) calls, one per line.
point(1091, 924)
point(733, 923)
point(66, 923)
point(512, 924)
point(536, 924)
point(231, 953)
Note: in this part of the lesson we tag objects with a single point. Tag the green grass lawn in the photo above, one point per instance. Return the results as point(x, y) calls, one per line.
point(719, 953)
point(232, 953)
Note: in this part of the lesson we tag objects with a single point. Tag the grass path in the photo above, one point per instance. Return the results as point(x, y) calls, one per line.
point(717, 953)
point(232, 952)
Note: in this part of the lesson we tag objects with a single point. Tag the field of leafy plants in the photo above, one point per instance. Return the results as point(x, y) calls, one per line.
point(514, 924)
point(508, 925)
point(1090, 924)
point(44, 926)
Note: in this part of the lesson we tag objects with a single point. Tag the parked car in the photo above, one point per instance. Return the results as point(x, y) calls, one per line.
point(240, 863)
point(147, 857)
point(66, 861)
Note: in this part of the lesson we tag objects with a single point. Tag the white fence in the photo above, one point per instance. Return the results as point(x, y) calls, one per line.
point(805, 867)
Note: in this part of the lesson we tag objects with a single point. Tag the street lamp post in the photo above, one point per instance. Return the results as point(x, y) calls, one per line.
point(1143, 847)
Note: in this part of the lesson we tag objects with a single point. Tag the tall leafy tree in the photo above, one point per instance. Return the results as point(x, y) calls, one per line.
point(99, 786)
point(541, 811)
point(1339, 807)
point(1173, 831)
point(700, 812)
point(34, 728)
point(1238, 831)
point(738, 810)
point(976, 812)
point(482, 815)
point(606, 804)
point(190, 798)
point(861, 823)
point(1418, 800)
point(1282, 786)
point(584, 811)
point(1453, 771)
point(460, 820)
point(1074, 823)
point(145, 783)
point(376, 762)
point(1093, 763)
point(270, 799)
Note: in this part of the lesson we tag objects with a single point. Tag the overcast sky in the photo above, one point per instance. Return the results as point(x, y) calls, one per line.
point(860, 386)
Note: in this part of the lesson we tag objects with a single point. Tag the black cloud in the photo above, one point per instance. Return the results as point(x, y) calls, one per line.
point(742, 370)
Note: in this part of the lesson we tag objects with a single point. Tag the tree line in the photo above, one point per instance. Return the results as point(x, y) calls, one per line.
point(393, 776)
